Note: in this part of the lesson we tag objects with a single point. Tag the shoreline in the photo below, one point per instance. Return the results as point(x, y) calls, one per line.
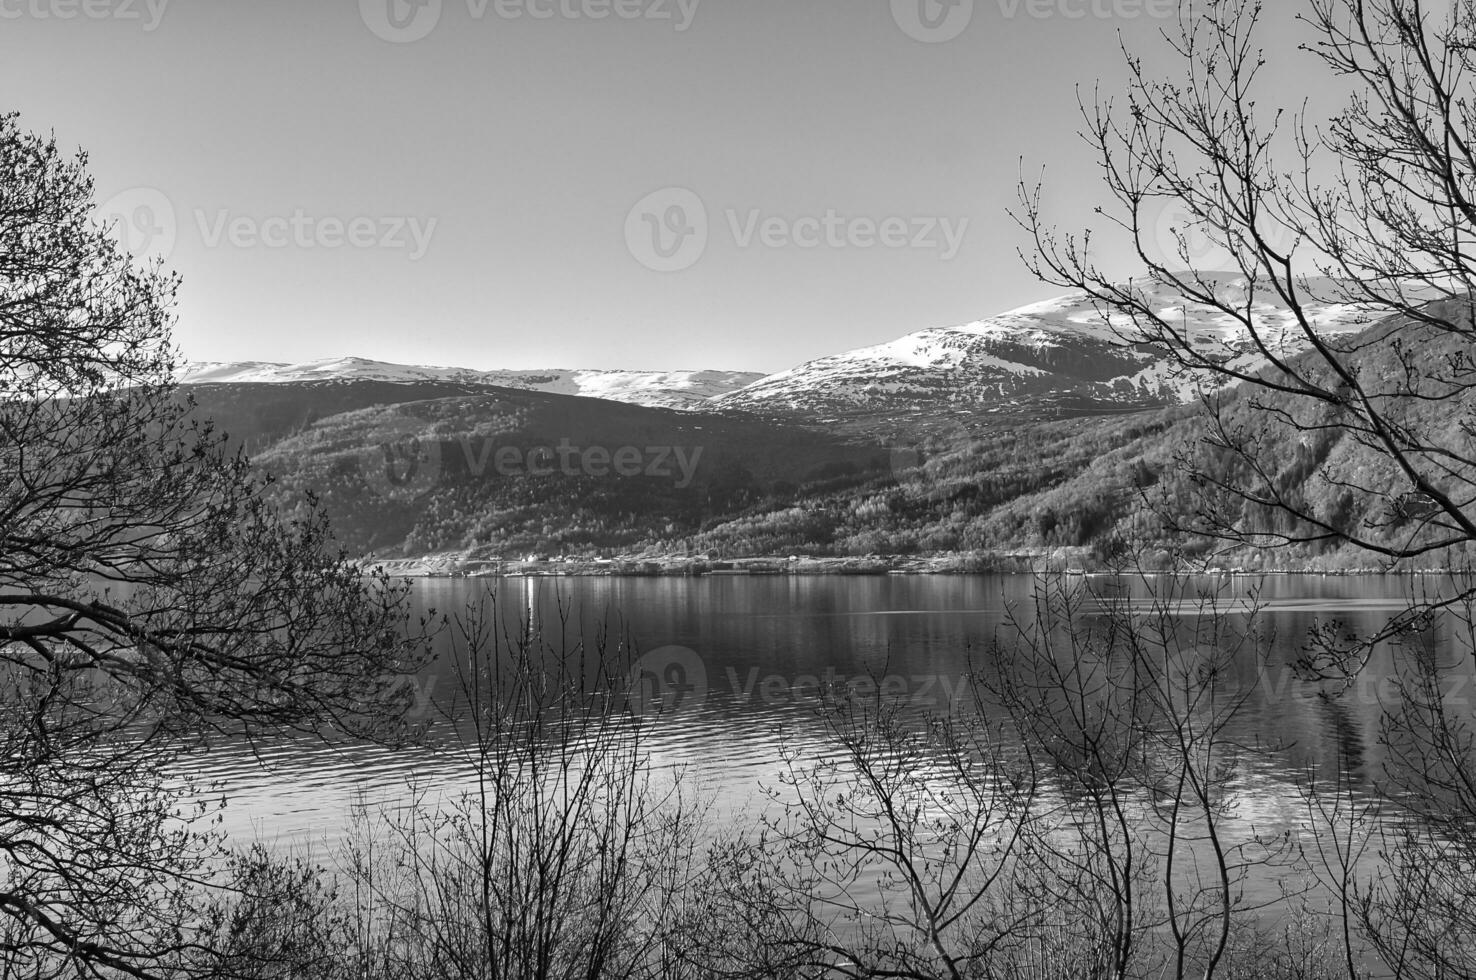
point(1012, 563)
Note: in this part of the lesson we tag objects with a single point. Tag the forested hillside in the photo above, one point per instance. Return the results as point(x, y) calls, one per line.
point(331, 441)
point(735, 485)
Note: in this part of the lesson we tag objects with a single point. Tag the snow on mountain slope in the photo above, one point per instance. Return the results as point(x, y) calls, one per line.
point(1059, 355)
point(686, 390)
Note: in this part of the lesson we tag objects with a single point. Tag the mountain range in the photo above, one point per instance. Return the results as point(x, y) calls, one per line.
point(662, 389)
point(1052, 359)
point(1039, 428)
point(1057, 358)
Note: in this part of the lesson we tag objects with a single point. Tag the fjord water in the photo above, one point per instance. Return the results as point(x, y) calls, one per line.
point(764, 642)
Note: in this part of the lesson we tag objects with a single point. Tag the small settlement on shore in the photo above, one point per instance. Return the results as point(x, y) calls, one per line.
point(1072, 561)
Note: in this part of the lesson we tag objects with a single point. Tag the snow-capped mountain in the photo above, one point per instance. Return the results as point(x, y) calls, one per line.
point(1059, 356)
point(685, 390)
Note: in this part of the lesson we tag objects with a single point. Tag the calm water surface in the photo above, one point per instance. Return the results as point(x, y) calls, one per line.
point(758, 638)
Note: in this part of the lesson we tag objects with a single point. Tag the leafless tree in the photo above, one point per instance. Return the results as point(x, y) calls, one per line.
point(1360, 440)
point(1372, 208)
point(565, 854)
point(151, 597)
point(1127, 692)
point(1076, 817)
point(893, 856)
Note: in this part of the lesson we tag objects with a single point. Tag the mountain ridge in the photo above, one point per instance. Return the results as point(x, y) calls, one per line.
point(1056, 358)
point(682, 390)
point(797, 486)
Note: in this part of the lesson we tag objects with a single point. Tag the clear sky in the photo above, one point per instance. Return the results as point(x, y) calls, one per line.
point(739, 184)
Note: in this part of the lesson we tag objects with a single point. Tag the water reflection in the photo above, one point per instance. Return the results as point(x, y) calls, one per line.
point(760, 640)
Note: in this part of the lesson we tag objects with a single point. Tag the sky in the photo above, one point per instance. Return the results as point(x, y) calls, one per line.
point(633, 184)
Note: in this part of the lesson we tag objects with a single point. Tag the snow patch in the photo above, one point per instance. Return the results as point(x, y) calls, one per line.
point(687, 390)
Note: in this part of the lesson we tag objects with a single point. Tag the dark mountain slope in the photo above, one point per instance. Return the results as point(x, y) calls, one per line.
point(409, 470)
